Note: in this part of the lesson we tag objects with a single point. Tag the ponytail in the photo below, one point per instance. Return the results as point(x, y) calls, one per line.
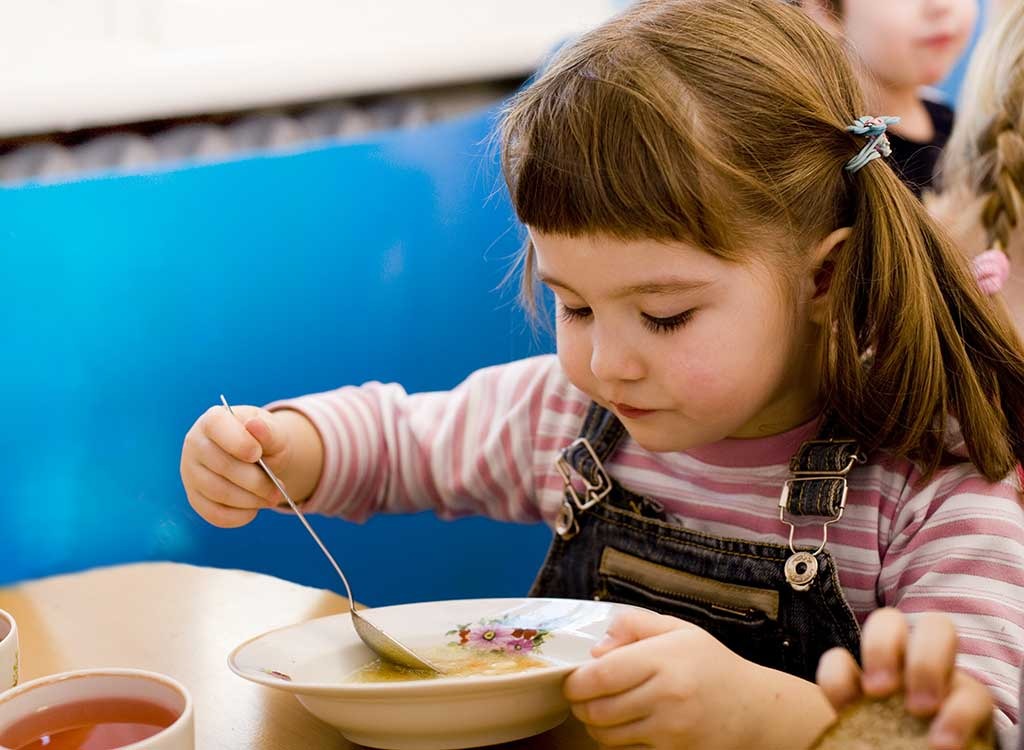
point(915, 342)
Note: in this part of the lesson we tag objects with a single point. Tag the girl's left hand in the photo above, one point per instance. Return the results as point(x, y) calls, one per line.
point(923, 665)
point(659, 682)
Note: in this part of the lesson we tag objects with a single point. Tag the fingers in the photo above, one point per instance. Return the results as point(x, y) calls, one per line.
point(839, 676)
point(883, 645)
point(966, 713)
point(613, 673)
point(223, 491)
point(628, 735)
point(613, 710)
point(219, 515)
point(924, 664)
point(265, 429)
point(931, 655)
point(248, 477)
point(633, 626)
point(221, 481)
point(229, 433)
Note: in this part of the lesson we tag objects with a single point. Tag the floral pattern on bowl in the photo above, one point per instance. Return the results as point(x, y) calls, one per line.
point(498, 635)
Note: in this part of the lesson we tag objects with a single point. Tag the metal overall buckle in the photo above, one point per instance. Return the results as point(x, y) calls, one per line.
point(802, 566)
point(567, 526)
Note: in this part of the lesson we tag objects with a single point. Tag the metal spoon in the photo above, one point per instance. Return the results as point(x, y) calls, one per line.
point(379, 642)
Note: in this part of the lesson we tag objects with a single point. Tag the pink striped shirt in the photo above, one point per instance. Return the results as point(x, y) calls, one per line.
point(954, 545)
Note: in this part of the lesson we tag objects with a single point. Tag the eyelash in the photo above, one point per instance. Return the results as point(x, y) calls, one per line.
point(667, 325)
point(655, 325)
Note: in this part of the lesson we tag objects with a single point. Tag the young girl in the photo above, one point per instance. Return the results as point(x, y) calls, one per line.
point(900, 47)
point(982, 171)
point(765, 352)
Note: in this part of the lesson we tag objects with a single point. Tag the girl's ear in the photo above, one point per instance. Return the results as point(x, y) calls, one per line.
point(824, 16)
point(821, 265)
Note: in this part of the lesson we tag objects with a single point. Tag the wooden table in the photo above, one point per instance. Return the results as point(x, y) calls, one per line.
point(183, 621)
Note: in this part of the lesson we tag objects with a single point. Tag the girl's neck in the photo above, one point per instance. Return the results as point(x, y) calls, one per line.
point(797, 401)
point(905, 103)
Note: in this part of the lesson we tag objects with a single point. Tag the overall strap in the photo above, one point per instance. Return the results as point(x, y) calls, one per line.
point(819, 469)
point(817, 488)
point(583, 462)
point(603, 431)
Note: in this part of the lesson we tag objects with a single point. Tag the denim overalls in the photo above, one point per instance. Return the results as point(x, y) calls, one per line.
point(769, 603)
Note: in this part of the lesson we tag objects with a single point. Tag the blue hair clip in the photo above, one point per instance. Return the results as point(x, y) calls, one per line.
point(878, 146)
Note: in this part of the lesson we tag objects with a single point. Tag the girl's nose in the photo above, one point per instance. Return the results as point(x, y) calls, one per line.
point(938, 7)
point(613, 358)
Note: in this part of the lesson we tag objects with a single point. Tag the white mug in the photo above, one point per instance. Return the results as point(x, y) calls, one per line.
point(27, 711)
point(8, 651)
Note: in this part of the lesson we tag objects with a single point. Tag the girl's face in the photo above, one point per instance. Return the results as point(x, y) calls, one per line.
point(686, 348)
point(909, 43)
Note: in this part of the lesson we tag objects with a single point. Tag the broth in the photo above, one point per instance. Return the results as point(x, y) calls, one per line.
point(95, 724)
point(453, 662)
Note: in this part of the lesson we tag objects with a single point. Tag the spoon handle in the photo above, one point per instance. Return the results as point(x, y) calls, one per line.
point(280, 486)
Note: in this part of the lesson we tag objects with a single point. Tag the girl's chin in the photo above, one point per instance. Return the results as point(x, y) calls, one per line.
point(655, 443)
point(933, 75)
point(934, 79)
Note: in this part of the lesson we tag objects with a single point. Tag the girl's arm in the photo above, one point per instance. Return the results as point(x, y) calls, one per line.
point(307, 454)
point(956, 546)
point(467, 451)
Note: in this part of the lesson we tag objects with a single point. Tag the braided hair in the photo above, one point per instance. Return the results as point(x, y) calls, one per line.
point(1002, 146)
point(985, 156)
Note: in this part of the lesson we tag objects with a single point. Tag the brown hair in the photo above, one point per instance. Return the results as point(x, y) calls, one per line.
point(718, 122)
point(835, 7)
point(985, 156)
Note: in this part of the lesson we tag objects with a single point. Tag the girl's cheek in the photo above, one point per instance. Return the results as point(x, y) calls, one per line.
point(574, 356)
point(707, 386)
point(697, 371)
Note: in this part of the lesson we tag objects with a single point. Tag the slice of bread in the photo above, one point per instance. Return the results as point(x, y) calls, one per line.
point(883, 725)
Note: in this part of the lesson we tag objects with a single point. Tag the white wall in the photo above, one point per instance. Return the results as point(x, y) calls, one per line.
point(67, 64)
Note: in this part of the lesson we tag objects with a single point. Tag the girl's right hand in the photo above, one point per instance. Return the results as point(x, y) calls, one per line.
point(223, 482)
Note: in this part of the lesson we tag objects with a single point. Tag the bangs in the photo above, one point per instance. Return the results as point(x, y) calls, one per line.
point(585, 152)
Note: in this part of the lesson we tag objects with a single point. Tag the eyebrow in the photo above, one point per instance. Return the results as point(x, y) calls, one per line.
point(672, 285)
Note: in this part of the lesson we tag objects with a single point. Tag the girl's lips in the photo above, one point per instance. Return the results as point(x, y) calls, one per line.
point(939, 40)
point(631, 412)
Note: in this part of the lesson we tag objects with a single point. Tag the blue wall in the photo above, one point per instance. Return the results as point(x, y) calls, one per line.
point(130, 303)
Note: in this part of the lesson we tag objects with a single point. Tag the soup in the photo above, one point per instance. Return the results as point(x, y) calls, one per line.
point(453, 661)
point(94, 724)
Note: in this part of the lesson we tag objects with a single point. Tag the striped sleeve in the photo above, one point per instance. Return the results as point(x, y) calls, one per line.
point(468, 451)
point(956, 546)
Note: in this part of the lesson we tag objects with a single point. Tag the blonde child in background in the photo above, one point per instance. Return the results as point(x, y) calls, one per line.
point(726, 245)
point(982, 171)
point(902, 46)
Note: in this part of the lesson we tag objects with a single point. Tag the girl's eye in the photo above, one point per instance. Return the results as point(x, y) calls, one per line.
point(570, 314)
point(669, 324)
point(657, 325)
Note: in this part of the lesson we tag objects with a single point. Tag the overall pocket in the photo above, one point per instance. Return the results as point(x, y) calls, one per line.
point(744, 618)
